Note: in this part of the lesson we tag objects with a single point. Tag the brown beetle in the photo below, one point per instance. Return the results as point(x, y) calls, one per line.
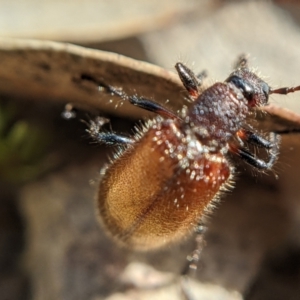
point(173, 170)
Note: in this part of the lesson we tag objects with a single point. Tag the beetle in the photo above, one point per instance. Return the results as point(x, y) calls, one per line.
point(172, 171)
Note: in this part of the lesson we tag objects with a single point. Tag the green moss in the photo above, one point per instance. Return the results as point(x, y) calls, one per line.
point(23, 147)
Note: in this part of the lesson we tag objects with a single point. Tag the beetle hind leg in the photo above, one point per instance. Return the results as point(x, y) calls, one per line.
point(195, 256)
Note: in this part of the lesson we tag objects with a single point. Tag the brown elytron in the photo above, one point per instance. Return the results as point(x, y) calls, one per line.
point(170, 173)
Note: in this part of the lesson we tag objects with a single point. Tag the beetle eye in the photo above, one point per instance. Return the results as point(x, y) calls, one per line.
point(242, 84)
point(266, 90)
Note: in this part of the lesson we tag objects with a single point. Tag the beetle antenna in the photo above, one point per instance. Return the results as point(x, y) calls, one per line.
point(285, 90)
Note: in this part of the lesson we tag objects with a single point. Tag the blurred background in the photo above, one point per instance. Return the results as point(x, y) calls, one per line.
point(51, 246)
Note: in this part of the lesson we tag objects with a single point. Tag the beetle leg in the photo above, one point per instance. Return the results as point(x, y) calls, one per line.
point(152, 106)
point(107, 138)
point(189, 80)
point(112, 139)
point(254, 161)
point(194, 258)
point(242, 62)
point(144, 103)
point(141, 102)
point(255, 139)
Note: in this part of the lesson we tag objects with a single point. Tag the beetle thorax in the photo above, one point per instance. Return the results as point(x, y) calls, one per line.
point(217, 114)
